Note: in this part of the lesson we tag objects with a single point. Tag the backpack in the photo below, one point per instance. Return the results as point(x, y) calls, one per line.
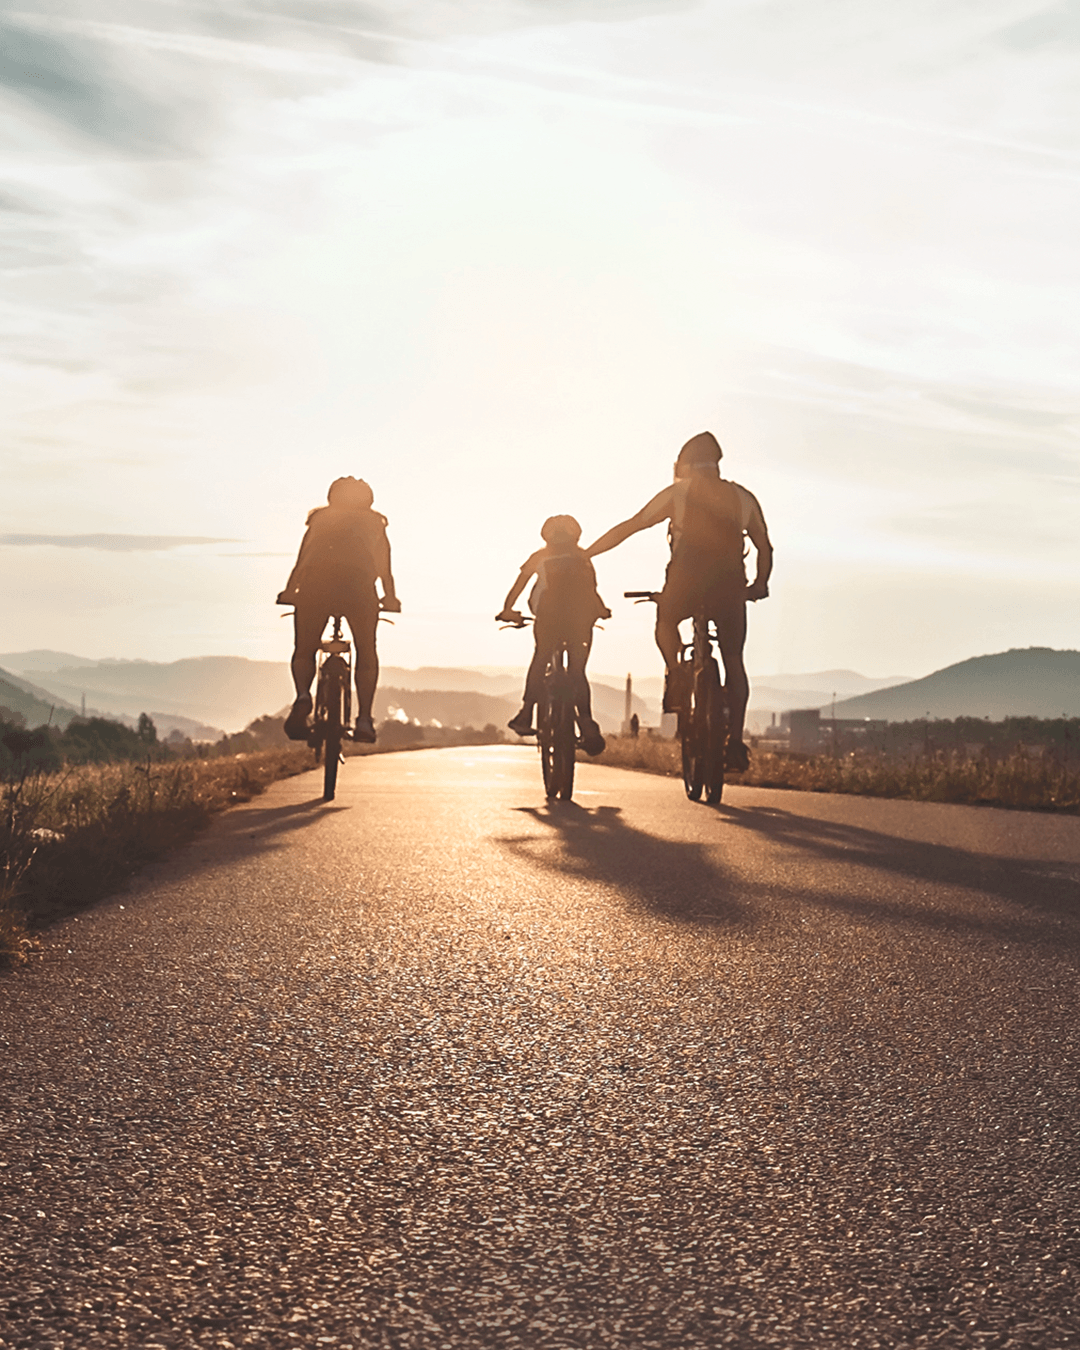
point(710, 529)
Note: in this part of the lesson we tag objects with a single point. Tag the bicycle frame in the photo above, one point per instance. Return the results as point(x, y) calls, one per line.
point(704, 720)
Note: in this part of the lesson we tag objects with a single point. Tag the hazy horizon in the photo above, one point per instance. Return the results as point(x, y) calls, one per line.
point(501, 258)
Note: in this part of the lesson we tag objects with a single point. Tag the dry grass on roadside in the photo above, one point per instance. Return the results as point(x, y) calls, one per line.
point(1019, 780)
point(69, 838)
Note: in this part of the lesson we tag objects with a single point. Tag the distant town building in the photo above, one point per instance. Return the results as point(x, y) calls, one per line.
point(625, 730)
point(804, 730)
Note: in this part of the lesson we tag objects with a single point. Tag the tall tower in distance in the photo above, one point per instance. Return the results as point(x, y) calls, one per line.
point(625, 731)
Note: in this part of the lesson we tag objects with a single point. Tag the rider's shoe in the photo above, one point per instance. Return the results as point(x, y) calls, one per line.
point(737, 757)
point(364, 731)
point(674, 689)
point(592, 742)
point(296, 724)
point(522, 725)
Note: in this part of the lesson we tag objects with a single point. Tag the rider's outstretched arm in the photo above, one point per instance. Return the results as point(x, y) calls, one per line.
point(652, 513)
point(617, 534)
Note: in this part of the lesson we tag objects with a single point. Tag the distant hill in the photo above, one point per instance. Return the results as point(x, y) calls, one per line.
point(231, 691)
point(467, 707)
point(779, 692)
point(203, 691)
point(36, 705)
point(449, 707)
point(504, 684)
point(39, 707)
point(1022, 682)
point(25, 663)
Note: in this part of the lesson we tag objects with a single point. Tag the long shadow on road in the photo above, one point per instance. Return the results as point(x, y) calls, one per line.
point(668, 878)
point(1038, 901)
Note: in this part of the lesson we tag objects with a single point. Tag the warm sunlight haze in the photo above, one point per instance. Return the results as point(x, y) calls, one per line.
point(501, 259)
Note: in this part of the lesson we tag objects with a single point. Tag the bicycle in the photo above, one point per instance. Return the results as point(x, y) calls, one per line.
point(333, 706)
point(704, 719)
point(556, 733)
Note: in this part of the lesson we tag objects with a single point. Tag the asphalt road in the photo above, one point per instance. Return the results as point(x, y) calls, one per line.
point(438, 1066)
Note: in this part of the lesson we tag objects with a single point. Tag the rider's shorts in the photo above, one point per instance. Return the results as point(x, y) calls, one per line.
point(358, 605)
point(695, 584)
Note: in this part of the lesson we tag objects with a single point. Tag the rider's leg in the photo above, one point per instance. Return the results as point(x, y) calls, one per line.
point(308, 623)
point(522, 722)
point(731, 638)
point(674, 605)
point(577, 652)
point(667, 638)
point(363, 620)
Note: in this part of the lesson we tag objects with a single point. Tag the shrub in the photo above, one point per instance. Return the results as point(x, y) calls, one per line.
point(67, 838)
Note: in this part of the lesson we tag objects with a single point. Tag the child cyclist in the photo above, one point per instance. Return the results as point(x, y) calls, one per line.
point(566, 605)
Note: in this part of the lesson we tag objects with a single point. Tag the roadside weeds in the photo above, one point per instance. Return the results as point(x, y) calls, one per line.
point(1017, 781)
point(68, 839)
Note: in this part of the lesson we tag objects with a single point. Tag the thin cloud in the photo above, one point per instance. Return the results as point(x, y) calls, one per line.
point(112, 543)
point(82, 89)
point(91, 76)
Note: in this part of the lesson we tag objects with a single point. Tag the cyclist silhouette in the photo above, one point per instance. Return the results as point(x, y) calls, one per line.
point(343, 553)
point(566, 604)
point(708, 519)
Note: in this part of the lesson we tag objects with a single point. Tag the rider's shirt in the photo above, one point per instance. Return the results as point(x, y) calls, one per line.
point(342, 553)
point(708, 518)
point(565, 584)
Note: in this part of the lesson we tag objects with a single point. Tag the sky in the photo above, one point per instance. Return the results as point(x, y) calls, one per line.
point(501, 258)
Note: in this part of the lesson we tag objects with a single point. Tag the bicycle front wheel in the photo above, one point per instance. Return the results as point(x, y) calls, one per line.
point(565, 748)
point(557, 740)
point(715, 738)
point(332, 706)
point(692, 736)
point(332, 753)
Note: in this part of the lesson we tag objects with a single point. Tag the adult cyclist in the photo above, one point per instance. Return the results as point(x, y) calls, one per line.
point(709, 518)
point(343, 553)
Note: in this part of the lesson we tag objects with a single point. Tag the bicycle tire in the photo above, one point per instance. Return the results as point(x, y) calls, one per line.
point(565, 747)
point(692, 736)
point(332, 752)
point(555, 734)
point(330, 707)
point(545, 741)
point(716, 736)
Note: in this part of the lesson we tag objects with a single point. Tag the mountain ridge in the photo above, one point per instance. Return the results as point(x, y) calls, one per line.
point(1020, 682)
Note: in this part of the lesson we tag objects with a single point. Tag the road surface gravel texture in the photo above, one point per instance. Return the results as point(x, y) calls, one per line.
point(438, 1065)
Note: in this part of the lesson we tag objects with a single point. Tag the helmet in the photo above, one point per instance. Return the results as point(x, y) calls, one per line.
point(560, 529)
point(352, 493)
point(703, 448)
